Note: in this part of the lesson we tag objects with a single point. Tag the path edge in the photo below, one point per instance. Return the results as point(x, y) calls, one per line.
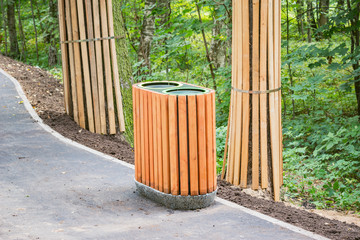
point(36, 117)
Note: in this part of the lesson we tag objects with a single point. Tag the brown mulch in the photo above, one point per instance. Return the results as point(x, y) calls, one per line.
point(45, 93)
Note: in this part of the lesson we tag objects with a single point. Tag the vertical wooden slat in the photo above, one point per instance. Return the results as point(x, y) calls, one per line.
point(85, 67)
point(142, 136)
point(107, 65)
point(77, 62)
point(159, 143)
point(136, 134)
point(202, 145)
point(146, 138)
point(231, 163)
point(214, 138)
point(277, 67)
point(193, 155)
point(238, 84)
point(226, 144)
point(246, 97)
point(255, 97)
point(71, 61)
point(209, 142)
point(64, 58)
point(263, 97)
point(99, 67)
point(183, 146)
point(155, 116)
point(93, 70)
point(173, 145)
point(279, 93)
point(151, 138)
point(165, 142)
point(273, 117)
point(115, 69)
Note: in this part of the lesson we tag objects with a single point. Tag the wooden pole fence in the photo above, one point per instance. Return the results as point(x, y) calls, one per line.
point(90, 71)
point(255, 133)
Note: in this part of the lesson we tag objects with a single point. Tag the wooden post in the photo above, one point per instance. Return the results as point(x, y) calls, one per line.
point(258, 76)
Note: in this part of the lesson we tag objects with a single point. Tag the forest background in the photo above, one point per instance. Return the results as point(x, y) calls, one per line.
point(190, 41)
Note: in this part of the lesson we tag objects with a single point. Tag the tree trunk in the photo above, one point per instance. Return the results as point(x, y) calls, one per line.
point(206, 48)
point(124, 66)
point(14, 47)
point(164, 6)
point(52, 53)
point(308, 16)
point(147, 34)
point(4, 25)
point(324, 11)
point(300, 17)
point(355, 45)
point(22, 35)
point(36, 35)
point(217, 46)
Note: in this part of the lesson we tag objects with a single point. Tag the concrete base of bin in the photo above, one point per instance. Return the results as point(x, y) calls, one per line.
point(176, 201)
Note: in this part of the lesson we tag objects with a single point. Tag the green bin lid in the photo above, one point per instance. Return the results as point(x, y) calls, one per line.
point(186, 91)
point(160, 85)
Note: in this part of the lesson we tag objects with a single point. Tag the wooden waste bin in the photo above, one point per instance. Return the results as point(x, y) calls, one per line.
point(174, 141)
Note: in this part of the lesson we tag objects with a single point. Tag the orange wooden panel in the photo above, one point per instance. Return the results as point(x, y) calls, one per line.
point(142, 136)
point(155, 140)
point(209, 142)
point(183, 146)
point(146, 137)
point(193, 150)
point(165, 142)
point(173, 145)
point(159, 143)
point(151, 142)
point(214, 138)
point(202, 144)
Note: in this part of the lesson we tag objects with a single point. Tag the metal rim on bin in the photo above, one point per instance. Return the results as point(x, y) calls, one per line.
point(186, 91)
point(166, 84)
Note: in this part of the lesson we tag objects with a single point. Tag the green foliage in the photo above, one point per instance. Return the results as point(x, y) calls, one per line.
point(321, 161)
point(220, 146)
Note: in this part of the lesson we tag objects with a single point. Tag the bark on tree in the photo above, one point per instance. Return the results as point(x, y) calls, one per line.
point(22, 35)
point(308, 18)
point(14, 46)
point(52, 52)
point(164, 7)
point(124, 66)
point(217, 46)
point(300, 16)
point(35, 29)
point(4, 26)
point(355, 45)
point(324, 11)
point(146, 37)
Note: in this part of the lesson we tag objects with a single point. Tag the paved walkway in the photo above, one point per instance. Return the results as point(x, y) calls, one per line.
point(53, 189)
